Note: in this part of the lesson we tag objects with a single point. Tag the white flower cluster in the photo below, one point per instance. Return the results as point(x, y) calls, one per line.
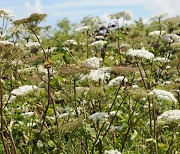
point(99, 116)
point(116, 128)
point(140, 54)
point(99, 37)
point(135, 86)
point(32, 44)
point(170, 116)
point(70, 42)
point(158, 16)
point(69, 113)
point(6, 13)
point(6, 43)
point(112, 152)
point(23, 90)
point(161, 59)
point(156, 33)
point(49, 50)
point(170, 38)
point(116, 81)
point(28, 114)
point(93, 62)
point(99, 74)
point(82, 29)
point(163, 95)
point(128, 15)
point(99, 44)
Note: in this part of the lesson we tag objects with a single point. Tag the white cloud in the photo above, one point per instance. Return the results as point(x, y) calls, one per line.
point(162, 6)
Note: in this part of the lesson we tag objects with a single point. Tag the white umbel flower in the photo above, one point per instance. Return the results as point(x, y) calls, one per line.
point(171, 116)
point(112, 152)
point(6, 43)
point(116, 81)
point(32, 44)
point(140, 54)
point(4, 13)
point(99, 74)
point(156, 33)
point(28, 114)
point(82, 29)
point(93, 62)
point(23, 90)
point(170, 38)
point(163, 95)
point(161, 59)
point(49, 50)
point(70, 42)
point(135, 86)
point(99, 116)
point(99, 44)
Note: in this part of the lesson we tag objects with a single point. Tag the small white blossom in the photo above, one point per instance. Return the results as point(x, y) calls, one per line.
point(168, 67)
point(158, 16)
point(171, 116)
point(140, 54)
point(156, 33)
point(116, 81)
point(100, 37)
point(82, 29)
point(112, 152)
point(128, 15)
point(49, 50)
point(32, 44)
point(111, 58)
point(116, 128)
point(134, 86)
point(28, 114)
point(163, 95)
point(123, 45)
point(70, 42)
point(23, 90)
point(170, 38)
point(93, 62)
point(99, 74)
point(99, 116)
point(99, 44)
point(4, 13)
point(161, 59)
point(6, 43)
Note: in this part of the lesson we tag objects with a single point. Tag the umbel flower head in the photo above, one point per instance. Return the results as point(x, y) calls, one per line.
point(6, 14)
point(140, 54)
point(70, 42)
point(156, 33)
point(99, 116)
point(127, 15)
point(93, 62)
point(97, 75)
point(99, 44)
point(116, 81)
point(168, 117)
point(6, 45)
point(158, 17)
point(163, 95)
point(32, 21)
point(82, 29)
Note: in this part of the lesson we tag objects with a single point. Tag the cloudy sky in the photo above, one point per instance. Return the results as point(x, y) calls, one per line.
point(75, 10)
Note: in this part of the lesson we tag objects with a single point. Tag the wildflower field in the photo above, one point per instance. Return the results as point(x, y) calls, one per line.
point(89, 88)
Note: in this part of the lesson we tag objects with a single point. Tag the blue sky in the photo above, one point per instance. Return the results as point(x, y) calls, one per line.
point(75, 10)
